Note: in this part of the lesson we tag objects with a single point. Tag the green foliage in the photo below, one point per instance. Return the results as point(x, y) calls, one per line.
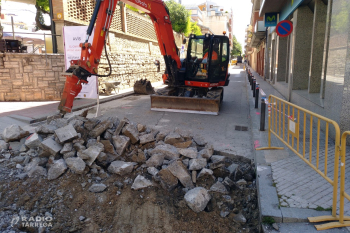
point(44, 5)
point(236, 48)
point(179, 17)
point(193, 28)
point(341, 18)
point(319, 208)
point(268, 220)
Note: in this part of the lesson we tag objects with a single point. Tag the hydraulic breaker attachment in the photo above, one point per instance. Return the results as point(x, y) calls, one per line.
point(71, 89)
point(143, 87)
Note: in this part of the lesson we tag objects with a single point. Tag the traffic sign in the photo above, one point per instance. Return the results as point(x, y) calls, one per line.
point(284, 28)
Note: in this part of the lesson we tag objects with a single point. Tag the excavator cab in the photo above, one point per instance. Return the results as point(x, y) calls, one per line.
point(208, 58)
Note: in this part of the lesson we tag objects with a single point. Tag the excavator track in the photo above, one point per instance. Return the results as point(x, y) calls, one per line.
point(209, 104)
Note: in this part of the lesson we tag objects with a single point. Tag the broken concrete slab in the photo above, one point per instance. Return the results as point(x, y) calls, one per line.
point(138, 156)
point(46, 129)
point(120, 127)
point(56, 169)
point(51, 146)
point(205, 178)
point(197, 164)
point(206, 153)
point(97, 188)
point(161, 135)
point(131, 131)
point(183, 144)
point(189, 152)
point(219, 187)
point(199, 140)
point(152, 170)
point(37, 171)
point(173, 138)
point(155, 160)
point(66, 133)
point(121, 168)
point(91, 153)
point(232, 168)
point(13, 133)
point(100, 128)
point(167, 180)
point(197, 199)
point(170, 152)
point(217, 161)
point(67, 147)
point(178, 169)
point(76, 164)
point(147, 138)
point(121, 143)
point(141, 182)
point(141, 128)
point(91, 123)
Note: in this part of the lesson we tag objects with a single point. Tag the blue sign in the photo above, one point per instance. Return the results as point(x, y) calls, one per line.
point(289, 8)
point(284, 28)
point(270, 19)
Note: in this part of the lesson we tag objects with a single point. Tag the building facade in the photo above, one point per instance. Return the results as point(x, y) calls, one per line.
point(311, 66)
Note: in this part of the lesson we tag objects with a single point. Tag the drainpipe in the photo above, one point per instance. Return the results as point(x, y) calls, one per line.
point(53, 29)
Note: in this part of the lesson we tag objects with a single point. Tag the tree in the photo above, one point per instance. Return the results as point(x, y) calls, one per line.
point(42, 7)
point(236, 47)
point(179, 17)
point(193, 28)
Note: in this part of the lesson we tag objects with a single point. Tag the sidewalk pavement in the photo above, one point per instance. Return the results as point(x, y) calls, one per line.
point(289, 190)
point(25, 113)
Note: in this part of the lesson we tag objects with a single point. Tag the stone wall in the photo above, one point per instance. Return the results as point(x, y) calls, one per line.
point(27, 77)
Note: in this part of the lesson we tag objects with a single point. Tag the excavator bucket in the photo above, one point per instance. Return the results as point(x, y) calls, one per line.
point(209, 105)
point(143, 87)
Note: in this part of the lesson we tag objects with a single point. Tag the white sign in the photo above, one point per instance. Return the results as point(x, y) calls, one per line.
point(292, 126)
point(73, 36)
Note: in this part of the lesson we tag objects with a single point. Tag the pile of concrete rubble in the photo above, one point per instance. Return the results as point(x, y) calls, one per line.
point(107, 146)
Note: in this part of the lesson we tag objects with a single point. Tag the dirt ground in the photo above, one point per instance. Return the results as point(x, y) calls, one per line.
point(117, 209)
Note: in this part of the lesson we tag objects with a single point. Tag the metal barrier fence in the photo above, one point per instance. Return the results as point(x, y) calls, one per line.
point(340, 218)
point(288, 122)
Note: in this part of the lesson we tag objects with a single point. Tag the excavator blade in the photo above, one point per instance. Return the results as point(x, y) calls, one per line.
point(210, 106)
point(143, 87)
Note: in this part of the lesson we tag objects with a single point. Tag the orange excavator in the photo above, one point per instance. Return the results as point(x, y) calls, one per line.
point(195, 84)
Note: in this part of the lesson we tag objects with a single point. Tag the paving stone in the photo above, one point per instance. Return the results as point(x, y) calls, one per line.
point(121, 143)
point(131, 131)
point(189, 152)
point(91, 153)
point(66, 133)
point(197, 199)
point(155, 160)
point(91, 124)
point(51, 146)
point(46, 129)
point(56, 169)
point(170, 152)
point(119, 127)
point(206, 153)
point(77, 165)
point(121, 168)
point(141, 182)
point(33, 141)
point(197, 164)
point(178, 169)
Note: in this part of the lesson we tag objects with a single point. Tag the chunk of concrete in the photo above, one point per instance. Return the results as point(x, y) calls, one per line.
point(205, 178)
point(121, 168)
point(76, 164)
point(183, 144)
point(67, 147)
point(120, 127)
point(167, 180)
point(170, 152)
point(56, 169)
point(97, 188)
point(37, 171)
point(66, 133)
point(197, 164)
point(131, 131)
point(141, 182)
point(46, 129)
point(239, 218)
point(178, 169)
point(152, 170)
point(4, 145)
point(217, 161)
point(173, 138)
point(51, 146)
point(14, 133)
point(189, 152)
point(33, 141)
point(100, 128)
point(232, 168)
point(219, 187)
point(199, 140)
point(161, 135)
point(197, 199)
point(91, 153)
point(155, 160)
point(121, 143)
point(206, 153)
point(147, 138)
point(141, 128)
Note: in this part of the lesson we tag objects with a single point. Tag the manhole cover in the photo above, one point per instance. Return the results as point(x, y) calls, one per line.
point(241, 128)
